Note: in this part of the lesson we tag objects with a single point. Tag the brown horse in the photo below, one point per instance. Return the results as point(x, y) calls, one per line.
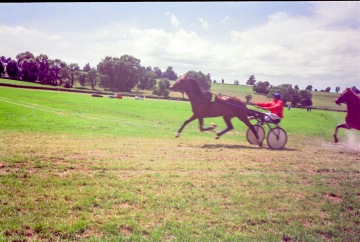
point(352, 120)
point(207, 105)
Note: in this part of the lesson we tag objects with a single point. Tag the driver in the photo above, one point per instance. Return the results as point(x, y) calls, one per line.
point(276, 107)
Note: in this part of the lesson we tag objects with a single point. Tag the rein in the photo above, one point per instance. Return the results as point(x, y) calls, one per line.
point(251, 111)
point(232, 104)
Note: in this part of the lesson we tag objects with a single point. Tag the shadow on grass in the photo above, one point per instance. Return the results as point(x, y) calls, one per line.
point(216, 146)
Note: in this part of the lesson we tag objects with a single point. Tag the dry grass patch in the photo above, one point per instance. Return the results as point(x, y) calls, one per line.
point(73, 188)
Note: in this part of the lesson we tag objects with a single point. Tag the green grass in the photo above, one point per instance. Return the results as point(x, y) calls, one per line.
point(57, 112)
point(74, 167)
point(240, 91)
point(17, 82)
point(82, 114)
point(323, 100)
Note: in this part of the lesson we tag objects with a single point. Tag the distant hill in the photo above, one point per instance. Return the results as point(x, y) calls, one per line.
point(321, 100)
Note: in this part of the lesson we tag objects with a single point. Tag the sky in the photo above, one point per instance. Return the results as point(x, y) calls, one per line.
point(300, 43)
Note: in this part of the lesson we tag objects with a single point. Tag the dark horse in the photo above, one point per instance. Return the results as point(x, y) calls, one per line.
point(207, 105)
point(352, 120)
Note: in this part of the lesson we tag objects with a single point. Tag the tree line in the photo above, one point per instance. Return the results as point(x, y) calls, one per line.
point(117, 74)
point(122, 74)
point(289, 94)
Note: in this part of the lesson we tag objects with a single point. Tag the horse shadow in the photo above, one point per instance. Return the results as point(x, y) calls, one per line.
point(228, 146)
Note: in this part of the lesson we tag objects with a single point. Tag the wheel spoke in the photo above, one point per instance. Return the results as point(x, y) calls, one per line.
point(277, 138)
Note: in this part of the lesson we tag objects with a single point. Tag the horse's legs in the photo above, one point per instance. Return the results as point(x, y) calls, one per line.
point(246, 121)
point(345, 126)
point(229, 127)
point(192, 118)
point(201, 124)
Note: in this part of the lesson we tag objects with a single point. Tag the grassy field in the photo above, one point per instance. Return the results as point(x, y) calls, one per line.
point(78, 168)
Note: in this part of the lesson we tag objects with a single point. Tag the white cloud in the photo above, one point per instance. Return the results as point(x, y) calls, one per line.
point(173, 19)
point(203, 23)
point(337, 13)
point(297, 48)
point(155, 47)
point(26, 39)
point(227, 20)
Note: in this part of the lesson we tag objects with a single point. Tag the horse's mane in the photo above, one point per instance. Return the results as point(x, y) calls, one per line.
point(207, 95)
point(199, 90)
point(355, 95)
point(357, 99)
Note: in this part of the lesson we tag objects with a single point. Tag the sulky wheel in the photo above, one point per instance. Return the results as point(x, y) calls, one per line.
point(251, 136)
point(276, 138)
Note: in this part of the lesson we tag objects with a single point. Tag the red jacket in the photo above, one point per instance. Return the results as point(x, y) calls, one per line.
point(276, 107)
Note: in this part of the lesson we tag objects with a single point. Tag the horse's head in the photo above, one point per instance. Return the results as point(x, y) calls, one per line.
point(344, 96)
point(180, 84)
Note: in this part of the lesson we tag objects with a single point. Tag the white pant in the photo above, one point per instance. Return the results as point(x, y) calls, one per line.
point(271, 117)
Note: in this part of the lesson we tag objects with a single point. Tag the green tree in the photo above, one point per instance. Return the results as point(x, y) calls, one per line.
point(92, 78)
point(203, 80)
point(4, 59)
point(286, 90)
point(87, 67)
point(251, 81)
point(2, 69)
point(24, 56)
point(12, 69)
point(148, 80)
point(28, 66)
point(42, 62)
point(248, 97)
point(133, 73)
point(105, 68)
point(262, 87)
point(53, 73)
point(104, 81)
point(163, 88)
point(123, 73)
point(82, 78)
point(29, 70)
point(158, 72)
point(295, 100)
point(337, 89)
point(169, 74)
point(309, 88)
point(64, 73)
point(74, 70)
point(304, 94)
